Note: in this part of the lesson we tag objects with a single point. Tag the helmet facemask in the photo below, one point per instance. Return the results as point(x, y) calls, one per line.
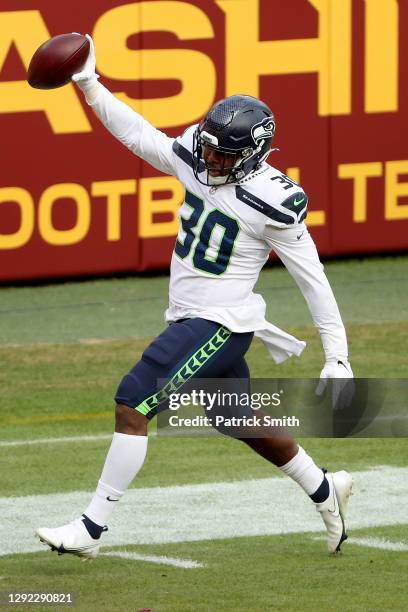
point(228, 164)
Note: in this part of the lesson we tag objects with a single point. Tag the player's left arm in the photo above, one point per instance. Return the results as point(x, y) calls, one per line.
point(296, 249)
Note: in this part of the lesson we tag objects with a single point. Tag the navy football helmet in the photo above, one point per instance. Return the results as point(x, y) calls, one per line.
point(241, 128)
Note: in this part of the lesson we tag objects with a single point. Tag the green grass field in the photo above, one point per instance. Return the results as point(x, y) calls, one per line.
point(254, 537)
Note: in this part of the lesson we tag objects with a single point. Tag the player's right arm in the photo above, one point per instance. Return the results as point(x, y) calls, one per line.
point(128, 126)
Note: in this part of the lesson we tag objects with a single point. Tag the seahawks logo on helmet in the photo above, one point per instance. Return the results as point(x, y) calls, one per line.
point(262, 130)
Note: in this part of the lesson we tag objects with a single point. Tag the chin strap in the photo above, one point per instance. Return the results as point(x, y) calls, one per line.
point(216, 181)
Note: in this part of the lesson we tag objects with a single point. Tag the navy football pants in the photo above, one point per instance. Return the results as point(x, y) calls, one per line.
point(187, 349)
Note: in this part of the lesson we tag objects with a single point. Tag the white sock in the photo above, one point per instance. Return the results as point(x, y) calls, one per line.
point(303, 470)
point(123, 461)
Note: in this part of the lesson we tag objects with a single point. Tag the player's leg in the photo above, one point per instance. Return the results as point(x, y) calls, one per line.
point(330, 492)
point(124, 459)
point(185, 349)
point(128, 449)
point(277, 446)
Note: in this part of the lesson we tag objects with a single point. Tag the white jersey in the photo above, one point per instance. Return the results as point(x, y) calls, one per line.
point(225, 237)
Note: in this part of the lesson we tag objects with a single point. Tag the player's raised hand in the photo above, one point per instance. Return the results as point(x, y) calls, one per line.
point(87, 76)
point(343, 387)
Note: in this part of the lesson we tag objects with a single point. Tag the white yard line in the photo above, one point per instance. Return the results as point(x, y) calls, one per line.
point(208, 511)
point(160, 560)
point(381, 543)
point(56, 440)
point(96, 438)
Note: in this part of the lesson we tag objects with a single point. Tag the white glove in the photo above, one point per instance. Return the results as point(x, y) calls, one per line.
point(342, 388)
point(87, 78)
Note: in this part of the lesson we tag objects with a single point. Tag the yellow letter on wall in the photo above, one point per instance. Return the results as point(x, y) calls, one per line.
point(328, 55)
point(194, 69)
point(395, 189)
point(77, 233)
point(360, 173)
point(381, 55)
point(27, 30)
point(25, 202)
point(148, 207)
point(113, 191)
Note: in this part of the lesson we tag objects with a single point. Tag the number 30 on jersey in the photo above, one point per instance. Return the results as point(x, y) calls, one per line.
point(212, 248)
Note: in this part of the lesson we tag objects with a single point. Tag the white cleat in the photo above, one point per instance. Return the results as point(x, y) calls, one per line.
point(72, 538)
point(334, 509)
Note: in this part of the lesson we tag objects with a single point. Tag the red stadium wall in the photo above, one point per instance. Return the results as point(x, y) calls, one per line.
point(73, 201)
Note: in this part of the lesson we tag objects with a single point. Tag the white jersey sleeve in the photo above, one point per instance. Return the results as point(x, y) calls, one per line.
point(296, 249)
point(132, 130)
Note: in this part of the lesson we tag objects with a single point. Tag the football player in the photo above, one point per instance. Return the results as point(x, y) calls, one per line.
point(237, 209)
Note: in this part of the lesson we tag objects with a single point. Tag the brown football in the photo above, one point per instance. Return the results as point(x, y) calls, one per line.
point(54, 63)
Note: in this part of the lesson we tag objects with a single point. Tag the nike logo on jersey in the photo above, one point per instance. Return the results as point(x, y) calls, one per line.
point(300, 235)
point(109, 499)
point(297, 202)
